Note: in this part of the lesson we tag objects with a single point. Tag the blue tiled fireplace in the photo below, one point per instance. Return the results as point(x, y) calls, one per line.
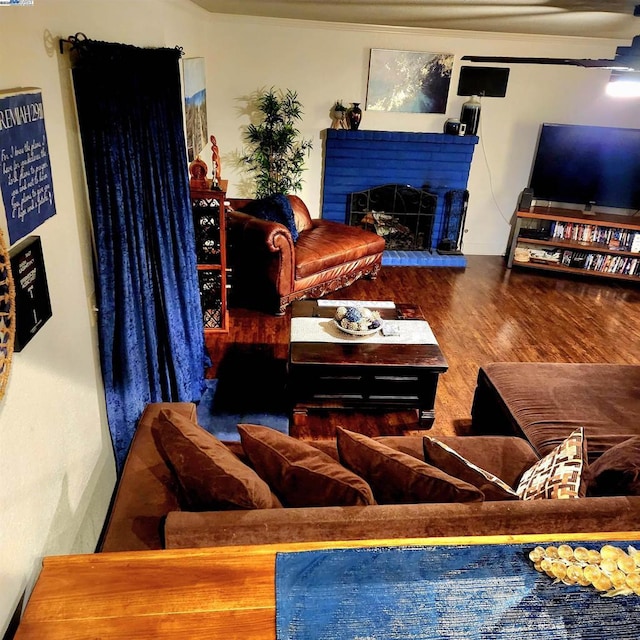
point(359, 160)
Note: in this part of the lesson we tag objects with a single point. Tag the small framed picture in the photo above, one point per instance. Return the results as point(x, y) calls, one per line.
point(32, 303)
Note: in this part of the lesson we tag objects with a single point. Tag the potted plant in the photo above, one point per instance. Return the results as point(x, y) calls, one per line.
point(276, 152)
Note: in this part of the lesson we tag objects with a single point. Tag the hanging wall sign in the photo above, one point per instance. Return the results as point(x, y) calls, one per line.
point(32, 304)
point(25, 169)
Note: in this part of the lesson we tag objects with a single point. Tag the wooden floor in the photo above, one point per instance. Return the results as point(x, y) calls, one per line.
point(484, 313)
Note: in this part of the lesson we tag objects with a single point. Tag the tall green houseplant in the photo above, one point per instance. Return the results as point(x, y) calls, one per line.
point(276, 152)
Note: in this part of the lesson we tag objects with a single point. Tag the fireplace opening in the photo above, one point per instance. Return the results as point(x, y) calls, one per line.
point(403, 215)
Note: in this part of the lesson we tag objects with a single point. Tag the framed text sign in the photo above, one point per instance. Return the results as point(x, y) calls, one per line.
point(25, 170)
point(32, 305)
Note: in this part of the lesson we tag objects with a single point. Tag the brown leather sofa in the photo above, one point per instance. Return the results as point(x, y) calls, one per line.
point(146, 510)
point(269, 270)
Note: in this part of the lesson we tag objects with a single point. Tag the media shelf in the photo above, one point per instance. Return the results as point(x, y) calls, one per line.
point(572, 241)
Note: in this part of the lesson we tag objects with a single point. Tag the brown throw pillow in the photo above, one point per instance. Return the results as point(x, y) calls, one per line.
point(299, 474)
point(210, 476)
point(617, 471)
point(399, 478)
point(446, 459)
point(560, 474)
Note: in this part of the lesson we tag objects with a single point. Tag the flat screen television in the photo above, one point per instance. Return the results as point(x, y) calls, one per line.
point(587, 166)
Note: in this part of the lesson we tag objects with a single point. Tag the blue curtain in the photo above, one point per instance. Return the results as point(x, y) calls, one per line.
point(129, 105)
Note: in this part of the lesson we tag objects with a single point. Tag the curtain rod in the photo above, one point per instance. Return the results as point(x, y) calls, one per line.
point(74, 41)
point(79, 38)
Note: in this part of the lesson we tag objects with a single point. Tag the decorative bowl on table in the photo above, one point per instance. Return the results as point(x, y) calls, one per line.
point(357, 321)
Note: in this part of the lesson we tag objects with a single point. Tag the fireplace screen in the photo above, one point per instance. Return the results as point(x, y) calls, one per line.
point(401, 214)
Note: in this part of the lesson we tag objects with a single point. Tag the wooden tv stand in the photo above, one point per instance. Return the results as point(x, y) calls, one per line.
point(576, 242)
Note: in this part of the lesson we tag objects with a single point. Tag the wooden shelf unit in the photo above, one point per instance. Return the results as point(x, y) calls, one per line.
point(579, 256)
point(211, 238)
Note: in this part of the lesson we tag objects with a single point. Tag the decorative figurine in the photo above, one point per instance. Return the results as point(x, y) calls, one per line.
point(215, 166)
point(198, 174)
point(338, 116)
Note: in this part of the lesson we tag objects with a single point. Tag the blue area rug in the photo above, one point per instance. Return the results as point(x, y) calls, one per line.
point(220, 413)
point(484, 592)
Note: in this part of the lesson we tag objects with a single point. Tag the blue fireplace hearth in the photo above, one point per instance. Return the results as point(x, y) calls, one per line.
point(361, 159)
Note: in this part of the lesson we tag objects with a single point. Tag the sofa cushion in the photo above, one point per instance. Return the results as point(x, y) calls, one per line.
point(506, 457)
point(397, 477)
point(331, 244)
point(301, 475)
point(560, 474)
point(275, 208)
point(446, 459)
point(210, 476)
point(617, 471)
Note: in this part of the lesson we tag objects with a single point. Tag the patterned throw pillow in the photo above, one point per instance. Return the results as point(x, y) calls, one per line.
point(560, 474)
point(445, 458)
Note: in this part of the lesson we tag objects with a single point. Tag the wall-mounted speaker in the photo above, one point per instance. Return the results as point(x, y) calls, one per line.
point(483, 81)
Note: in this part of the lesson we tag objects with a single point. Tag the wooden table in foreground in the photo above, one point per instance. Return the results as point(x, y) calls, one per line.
point(226, 593)
point(364, 375)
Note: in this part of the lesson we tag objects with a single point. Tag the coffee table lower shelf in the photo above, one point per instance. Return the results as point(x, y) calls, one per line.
point(363, 388)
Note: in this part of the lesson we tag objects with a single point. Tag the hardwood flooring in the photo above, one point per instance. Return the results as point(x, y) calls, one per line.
point(484, 313)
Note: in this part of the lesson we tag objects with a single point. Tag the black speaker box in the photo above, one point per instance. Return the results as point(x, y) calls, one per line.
point(483, 81)
point(526, 198)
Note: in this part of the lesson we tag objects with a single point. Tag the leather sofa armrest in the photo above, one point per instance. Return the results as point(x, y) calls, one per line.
point(185, 529)
point(261, 249)
point(249, 229)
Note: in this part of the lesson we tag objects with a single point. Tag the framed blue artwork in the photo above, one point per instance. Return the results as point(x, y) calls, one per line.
point(25, 168)
point(408, 81)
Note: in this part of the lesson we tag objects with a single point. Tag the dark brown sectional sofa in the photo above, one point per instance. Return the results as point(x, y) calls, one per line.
point(146, 511)
point(545, 402)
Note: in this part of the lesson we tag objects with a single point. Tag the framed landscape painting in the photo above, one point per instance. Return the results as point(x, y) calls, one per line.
point(195, 103)
point(408, 81)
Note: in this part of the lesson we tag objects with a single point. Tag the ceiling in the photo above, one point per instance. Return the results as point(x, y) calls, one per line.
point(604, 19)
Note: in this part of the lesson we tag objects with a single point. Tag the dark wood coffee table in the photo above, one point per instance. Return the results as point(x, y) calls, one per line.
point(329, 369)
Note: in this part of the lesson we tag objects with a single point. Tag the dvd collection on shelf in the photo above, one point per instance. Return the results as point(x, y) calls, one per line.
point(614, 238)
point(578, 259)
point(602, 262)
point(574, 241)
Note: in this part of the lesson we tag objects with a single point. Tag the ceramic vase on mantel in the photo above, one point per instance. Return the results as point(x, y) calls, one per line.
point(354, 115)
point(470, 115)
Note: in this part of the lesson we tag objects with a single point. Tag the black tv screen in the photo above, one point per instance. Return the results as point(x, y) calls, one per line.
point(583, 165)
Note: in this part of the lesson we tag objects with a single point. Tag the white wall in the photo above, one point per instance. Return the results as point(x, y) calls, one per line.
point(56, 461)
point(57, 469)
point(324, 62)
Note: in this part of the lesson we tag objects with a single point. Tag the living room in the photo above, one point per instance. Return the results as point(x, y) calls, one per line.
point(58, 466)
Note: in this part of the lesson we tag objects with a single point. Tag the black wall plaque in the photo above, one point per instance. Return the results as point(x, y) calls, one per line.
point(33, 307)
point(483, 81)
